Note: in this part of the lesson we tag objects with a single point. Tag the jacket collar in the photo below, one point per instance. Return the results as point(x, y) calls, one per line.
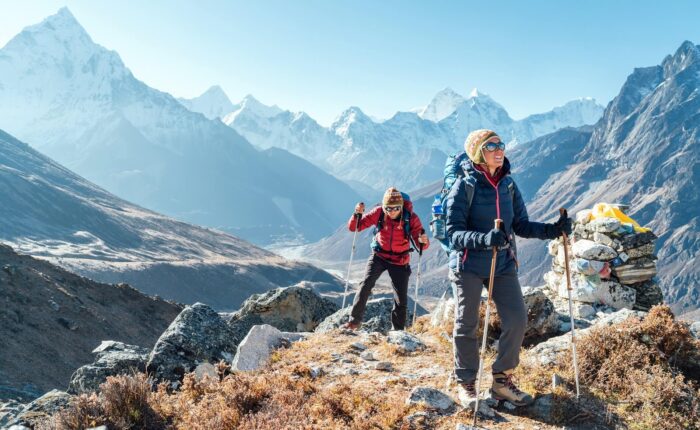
point(479, 174)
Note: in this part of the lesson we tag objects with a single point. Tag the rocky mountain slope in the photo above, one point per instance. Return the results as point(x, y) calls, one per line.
point(49, 212)
point(51, 319)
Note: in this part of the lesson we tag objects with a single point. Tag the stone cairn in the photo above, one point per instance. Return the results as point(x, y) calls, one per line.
point(611, 264)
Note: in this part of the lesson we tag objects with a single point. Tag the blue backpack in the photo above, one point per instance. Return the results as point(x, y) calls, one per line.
point(452, 172)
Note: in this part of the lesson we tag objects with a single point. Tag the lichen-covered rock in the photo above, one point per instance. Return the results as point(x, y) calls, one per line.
point(615, 295)
point(291, 309)
point(590, 250)
point(432, 399)
point(42, 408)
point(648, 294)
point(197, 335)
point(405, 342)
point(636, 240)
point(112, 359)
point(641, 251)
point(542, 321)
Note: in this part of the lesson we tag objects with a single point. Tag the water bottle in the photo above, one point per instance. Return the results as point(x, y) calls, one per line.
point(437, 221)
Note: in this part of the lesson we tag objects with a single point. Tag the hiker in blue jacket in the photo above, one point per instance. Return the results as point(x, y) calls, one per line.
point(472, 236)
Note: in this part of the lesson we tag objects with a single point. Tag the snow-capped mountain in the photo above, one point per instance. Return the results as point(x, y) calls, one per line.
point(51, 213)
point(358, 149)
point(213, 103)
point(442, 105)
point(76, 102)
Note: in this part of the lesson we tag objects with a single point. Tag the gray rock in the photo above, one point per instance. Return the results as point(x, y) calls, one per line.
point(42, 408)
point(618, 296)
point(590, 250)
point(556, 381)
point(384, 366)
point(368, 356)
point(542, 321)
point(430, 398)
point(542, 407)
point(584, 310)
point(291, 309)
point(406, 342)
point(466, 402)
point(197, 335)
point(358, 346)
point(636, 240)
point(112, 359)
point(9, 411)
point(695, 329)
point(98, 428)
point(256, 348)
point(583, 216)
point(377, 317)
point(205, 370)
point(641, 251)
point(444, 311)
point(604, 239)
point(648, 294)
point(603, 225)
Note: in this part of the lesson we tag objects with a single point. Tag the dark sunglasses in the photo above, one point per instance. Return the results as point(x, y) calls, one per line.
point(492, 147)
point(392, 208)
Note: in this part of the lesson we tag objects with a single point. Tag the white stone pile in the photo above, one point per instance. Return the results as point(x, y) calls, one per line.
point(611, 264)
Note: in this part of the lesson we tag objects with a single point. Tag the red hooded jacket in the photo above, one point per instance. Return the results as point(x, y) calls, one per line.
point(391, 237)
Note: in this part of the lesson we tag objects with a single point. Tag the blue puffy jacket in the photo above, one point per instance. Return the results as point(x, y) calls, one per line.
point(467, 224)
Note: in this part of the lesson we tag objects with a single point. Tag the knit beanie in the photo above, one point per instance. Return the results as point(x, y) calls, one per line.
point(474, 142)
point(392, 197)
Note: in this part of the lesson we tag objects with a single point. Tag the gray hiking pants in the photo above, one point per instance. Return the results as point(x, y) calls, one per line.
point(508, 297)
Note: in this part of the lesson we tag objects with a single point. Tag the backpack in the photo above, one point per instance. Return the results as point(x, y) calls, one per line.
point(452, 172)
point(406, 218)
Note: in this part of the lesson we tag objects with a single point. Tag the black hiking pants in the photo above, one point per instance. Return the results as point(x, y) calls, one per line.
point(399, 281)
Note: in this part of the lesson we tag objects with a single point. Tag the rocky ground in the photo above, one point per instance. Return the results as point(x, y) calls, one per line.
point(282, 375)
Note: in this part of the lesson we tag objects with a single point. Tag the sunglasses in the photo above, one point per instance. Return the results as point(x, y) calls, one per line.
point(392, 208)
point(492, 147)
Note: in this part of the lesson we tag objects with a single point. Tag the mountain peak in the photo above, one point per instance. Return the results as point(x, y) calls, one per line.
point(62, 22)
point(688, 54)
point(442, 105)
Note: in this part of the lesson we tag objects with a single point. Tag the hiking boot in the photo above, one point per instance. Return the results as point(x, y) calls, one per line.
point(504, 388)
point(351, 325)
point(466, 393)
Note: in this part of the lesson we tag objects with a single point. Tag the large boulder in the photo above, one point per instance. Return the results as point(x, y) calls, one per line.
point(197, 335)
point(615, 295)
point(256, 348)
point(377, 317)
point(291, 309)
point(112, 359)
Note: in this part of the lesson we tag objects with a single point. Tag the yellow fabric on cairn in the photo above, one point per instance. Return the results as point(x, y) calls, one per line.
point(605, 210)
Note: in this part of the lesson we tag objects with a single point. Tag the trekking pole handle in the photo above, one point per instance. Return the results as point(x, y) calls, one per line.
point(563, 212)
point(497, 223)
point(420, 244)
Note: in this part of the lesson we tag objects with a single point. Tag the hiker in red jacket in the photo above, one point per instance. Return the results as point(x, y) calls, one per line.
point(395, 222)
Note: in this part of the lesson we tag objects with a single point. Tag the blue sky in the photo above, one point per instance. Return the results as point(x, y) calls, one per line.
point(383, 56)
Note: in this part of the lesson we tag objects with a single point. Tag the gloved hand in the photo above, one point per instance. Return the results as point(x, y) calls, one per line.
point(563, 225)
point(493, 238)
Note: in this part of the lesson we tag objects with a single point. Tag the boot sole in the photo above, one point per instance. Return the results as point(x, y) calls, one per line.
point(513, 402)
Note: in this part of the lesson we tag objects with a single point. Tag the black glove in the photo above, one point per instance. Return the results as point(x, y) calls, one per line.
point(563, 225)
point(493, 238)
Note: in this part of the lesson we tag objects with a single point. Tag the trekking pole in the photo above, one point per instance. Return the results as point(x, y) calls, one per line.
point(497, 226)
point(562, 212)
point(415, 297)
point(352, 254)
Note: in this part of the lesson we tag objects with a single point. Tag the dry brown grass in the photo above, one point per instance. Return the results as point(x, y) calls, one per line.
point(634, 375)
point(647, 370)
